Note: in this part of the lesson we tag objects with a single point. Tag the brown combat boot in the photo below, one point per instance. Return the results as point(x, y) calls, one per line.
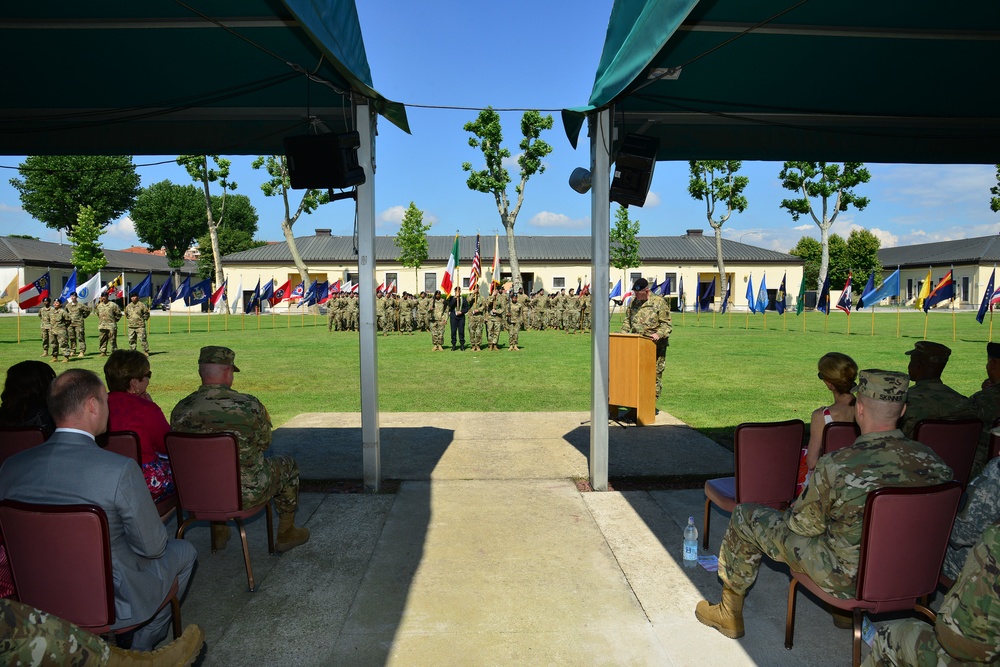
point(726, 617)
point(54, 359)
point(289, 536)
point(182, 651)
point(842, 619)
point(220, 531)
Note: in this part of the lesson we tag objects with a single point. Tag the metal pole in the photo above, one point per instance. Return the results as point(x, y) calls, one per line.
point(600, 261)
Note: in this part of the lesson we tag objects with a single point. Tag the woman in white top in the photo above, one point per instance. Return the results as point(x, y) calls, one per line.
point(838, 372)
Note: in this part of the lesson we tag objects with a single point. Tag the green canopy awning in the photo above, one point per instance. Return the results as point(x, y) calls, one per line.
point(164, 77)
point(884, 81)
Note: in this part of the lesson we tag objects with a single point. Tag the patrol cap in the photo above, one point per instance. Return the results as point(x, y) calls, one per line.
point(935, 352)
point(215, 354)
point(640, 283)
point(993, 350)
point(887, 386)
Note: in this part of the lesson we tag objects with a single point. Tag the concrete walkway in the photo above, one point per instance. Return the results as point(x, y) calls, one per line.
point(488, 554)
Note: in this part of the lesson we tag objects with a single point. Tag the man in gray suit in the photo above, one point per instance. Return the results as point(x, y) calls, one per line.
point(70, 468)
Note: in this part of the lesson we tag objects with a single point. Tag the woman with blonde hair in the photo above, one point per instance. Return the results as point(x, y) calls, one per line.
point(839, 373)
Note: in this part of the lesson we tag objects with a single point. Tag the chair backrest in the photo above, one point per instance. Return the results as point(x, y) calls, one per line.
point(14, 439)
point(954, 440)
point(837, 435)
point(767, 461)
point(125, 443)
point(903, 542)
point(206, 469)
point(60, 556)
point(994, 440)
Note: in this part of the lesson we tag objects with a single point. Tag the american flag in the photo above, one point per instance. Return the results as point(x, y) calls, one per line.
point(476, 266)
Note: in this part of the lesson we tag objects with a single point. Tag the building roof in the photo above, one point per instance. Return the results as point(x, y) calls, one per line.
point(689, 248)
point(979, 250)
point(30, 252)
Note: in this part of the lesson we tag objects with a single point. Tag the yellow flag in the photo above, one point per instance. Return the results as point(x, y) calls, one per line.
point(925, 290)
point(10, 293)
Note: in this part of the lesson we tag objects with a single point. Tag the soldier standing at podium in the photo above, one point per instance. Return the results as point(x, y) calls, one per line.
point(649, 315)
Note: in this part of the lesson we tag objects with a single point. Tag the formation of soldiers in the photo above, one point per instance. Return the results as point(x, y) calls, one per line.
point(63, 326)
point(408, 313)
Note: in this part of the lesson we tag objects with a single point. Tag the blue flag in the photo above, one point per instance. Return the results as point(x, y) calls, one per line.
point(844, 302)
point(182, 290)
point(751, 299)
point(866, 293)
point(254, 299)
point(762, 298)
point(163, 296)
point(725, 299)
point(945, 290)
point(267, 291)
point(144, 288)
point(310, 296)
point(697, 296)
point(888, 288)
point(680, 293)
point(987, 296)
point(779, 298)
point(199, 293)
point(664, 287)
point(616, 293)
point(708, 297)
point(823, 303)
point(70, 287)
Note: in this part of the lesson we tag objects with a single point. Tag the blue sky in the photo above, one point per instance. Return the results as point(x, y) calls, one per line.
point(543, 55)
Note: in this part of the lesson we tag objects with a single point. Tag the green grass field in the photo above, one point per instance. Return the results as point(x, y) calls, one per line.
point(719, 373)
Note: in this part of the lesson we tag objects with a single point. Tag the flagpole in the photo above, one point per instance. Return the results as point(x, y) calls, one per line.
point(952, 272)
point(848, 323)
point(169, 310)
point(210, 316)
point(189, 318)
point(925, 325)
point(784, 326)
point(897, 303)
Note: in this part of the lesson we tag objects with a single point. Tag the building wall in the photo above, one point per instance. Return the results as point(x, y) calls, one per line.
point(970, 283)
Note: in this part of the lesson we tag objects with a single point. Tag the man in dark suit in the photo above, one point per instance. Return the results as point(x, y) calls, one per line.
point(70, 468)
point(457, 306)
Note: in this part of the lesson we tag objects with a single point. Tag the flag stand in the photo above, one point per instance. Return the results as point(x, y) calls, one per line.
point(897, 317)
point(243, 321)
point(804, 320)
point(258, 317)
point(925, 325)
point(784, 326)
point(765, 318)
point(746, 325)
point(873, 320)
point(227, 317)
point(189, 319)
point(848, 323)
point(953, 320)
point(168, 318)
point(19, 323)
point(209, 320)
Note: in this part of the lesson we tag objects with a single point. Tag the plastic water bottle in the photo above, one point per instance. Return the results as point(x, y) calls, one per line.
point(690, 541)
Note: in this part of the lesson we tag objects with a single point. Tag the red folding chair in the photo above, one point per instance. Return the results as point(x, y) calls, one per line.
point(838, 435)
point(14, 439)
point(126, 443)
point(954, 440)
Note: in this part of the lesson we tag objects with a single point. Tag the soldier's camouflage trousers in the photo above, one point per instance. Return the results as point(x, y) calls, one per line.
point(32, 637)
point(908, 643)
point(137, 333)
point(493, 326)
point(661, 363)
point(46, 336)
point(280, 481)
point(476, 329)
point(108, 336)
point(77, 338)
point(513, 330)
point(437, 332)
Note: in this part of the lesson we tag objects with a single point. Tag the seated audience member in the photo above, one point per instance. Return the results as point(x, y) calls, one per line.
point(838, 372)
point(131, 408)
point(70, 468)
point(929, 398)
point(217, 407)
point(982, 507)
point(29, 636)
point(966, 630)
point(986, 404)
point(820, 533)
point(22, 402)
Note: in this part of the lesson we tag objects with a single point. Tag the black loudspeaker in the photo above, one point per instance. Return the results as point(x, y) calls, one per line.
point(324, 161)
point(634, 170)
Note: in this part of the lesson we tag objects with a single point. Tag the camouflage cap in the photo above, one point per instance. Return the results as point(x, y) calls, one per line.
point(214, 354)
point(888, 386)
point(935, 352)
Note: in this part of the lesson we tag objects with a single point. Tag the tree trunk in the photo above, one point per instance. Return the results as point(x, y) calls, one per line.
point(515, 268)
point(824, 262)
point(213, 228)
point(286, 228)
point(719, 259)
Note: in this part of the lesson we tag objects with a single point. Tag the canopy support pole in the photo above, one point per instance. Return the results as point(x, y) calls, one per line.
point(600, 249)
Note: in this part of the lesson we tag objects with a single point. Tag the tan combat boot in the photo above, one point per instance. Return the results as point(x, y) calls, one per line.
point(182, 651)
point(726, 617)
point(220, 531)
point(289, 536)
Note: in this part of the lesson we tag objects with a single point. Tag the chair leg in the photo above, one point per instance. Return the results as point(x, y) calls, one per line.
point(184, 526)
point(928, 614)
point(246, 555)
point(858, 617)
point(175, 612)
point(790, 614)
point(211, 532)
point(270, 529)
point(705, 525)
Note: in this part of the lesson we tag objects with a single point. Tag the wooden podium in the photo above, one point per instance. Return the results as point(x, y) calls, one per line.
point(632, 375)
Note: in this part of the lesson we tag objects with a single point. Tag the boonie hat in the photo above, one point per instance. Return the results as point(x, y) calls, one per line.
point(888, 386)
point(215, 354)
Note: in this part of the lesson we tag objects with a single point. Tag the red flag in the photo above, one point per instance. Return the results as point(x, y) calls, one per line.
point(381, 288)
point(282, 293)
point(450, 278)
point(218, 295)
point(335, 287)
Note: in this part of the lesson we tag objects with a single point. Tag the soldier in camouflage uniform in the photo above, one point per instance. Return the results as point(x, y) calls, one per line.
point(649, 315)
point(982, 507)
point(496, 307)
point(820, 533)
point(929, 398)
point(108, 314)
point(438, 318)
point(380, 322)
point(540, 310)
point(423, 312)
point(515, 315)
point(217, 407)
point(331, 313)
point(585, 312)
point(30, 636)
point(477, 317)
point(986, 404)
point(136, 314)
point(406, 314)
point(45, 320)
point(59, 334)
point(78, 312)
point(966, 630)
point(558, 305)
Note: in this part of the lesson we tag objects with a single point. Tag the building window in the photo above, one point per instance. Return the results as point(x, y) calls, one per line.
point(965, 288)
point(909, 288)
point(390, 278)
point(559, 282)
point(671, 280)
point(430, 283)
point(632, 277)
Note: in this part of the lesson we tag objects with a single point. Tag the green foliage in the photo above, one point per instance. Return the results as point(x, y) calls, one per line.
point(861, 256)
point(823, 181)
point(53, 188)
point(171, 217)
point(88, 256)
point(995, 190)
point(22, 236)
point(715, 181)
point(235, 233)
point(810, 251)
point(624, 251)
point(411, 239)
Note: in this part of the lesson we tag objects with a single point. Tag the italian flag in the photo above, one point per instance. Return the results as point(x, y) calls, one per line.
point(450, 278)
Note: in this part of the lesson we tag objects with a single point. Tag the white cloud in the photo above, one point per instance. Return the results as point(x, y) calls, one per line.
point(561, 220)
point(652, 199)
point(7, 208)
point(803, 228)
point(122, 229)
point(934, 185)
point(511, 162)
point(393, 217)
point(888, 239)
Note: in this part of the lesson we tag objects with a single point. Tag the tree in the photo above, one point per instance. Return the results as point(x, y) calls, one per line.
point(624, 250)
point(171, 217)
point(995, 190)
point(279, 184)
point(861, 255)
point(715, 181)
point(197, 168)
point(810, 250)
point(411, 239)
point(824, 181)
point(494, 179)
point(235, 235)
point(88, 256)
point(53, 188)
